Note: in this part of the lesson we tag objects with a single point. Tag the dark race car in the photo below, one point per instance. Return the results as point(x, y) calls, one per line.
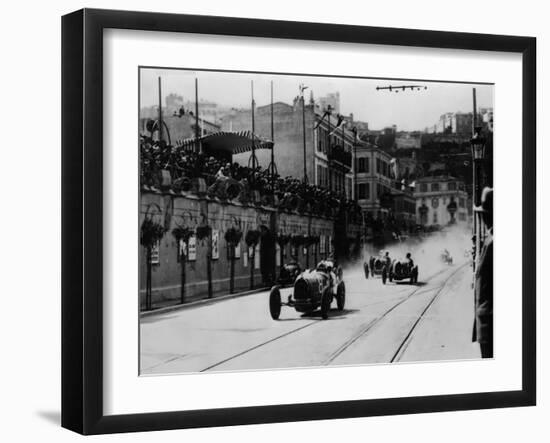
point(289, 272)
point(446, 257)
point(402, 270)
point(312, 290)
point(378, 266)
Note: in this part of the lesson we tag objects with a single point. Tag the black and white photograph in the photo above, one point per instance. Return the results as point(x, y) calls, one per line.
point(295, 221)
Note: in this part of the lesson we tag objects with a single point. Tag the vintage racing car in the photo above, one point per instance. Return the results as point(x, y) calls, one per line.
point(312, 290)
point(378, 266)
point(403, 269)
point(289, 272)
point(446, 257)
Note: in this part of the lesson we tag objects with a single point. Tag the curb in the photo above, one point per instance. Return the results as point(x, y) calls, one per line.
point(199, 303)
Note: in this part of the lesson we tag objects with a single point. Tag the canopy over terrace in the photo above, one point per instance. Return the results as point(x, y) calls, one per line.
point(224, 144)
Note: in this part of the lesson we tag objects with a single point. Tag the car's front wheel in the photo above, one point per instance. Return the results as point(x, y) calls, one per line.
point(325, 303)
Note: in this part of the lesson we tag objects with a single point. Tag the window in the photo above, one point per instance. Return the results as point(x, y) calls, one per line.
point(435, 217)
point(378, 166)
point(424, 187)
point(451, 186)
point(435, 187)
point(362, 191)
point(362, 164)
point(461, 203)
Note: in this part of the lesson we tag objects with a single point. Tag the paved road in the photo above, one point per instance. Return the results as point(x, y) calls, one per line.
point(380, 323)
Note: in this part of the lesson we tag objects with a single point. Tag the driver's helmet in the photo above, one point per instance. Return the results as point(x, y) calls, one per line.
point(387, 254)
point(322, 266)
point(408, 255)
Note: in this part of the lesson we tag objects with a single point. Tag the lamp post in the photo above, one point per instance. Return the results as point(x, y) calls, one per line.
point(478, 156)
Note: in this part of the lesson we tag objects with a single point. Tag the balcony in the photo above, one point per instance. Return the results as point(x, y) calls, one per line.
point(340, 155)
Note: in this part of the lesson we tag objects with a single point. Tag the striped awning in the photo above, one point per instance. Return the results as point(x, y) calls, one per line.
point(233, 142)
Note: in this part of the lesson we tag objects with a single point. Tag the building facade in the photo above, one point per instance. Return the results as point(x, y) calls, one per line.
point(331, 148)
point(374, 179)
point(441, 201)
point(331, 99)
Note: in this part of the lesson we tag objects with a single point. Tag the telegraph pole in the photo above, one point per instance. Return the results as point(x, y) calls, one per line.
point(354, 197)
point(160, 110)
point(302, 89)
point(329, 173)
point(197, 114)
point(253, 155)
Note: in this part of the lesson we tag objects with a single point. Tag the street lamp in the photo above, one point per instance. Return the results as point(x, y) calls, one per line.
point(478, 155)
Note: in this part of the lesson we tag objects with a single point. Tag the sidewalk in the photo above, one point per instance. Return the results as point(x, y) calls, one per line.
point(198, 303)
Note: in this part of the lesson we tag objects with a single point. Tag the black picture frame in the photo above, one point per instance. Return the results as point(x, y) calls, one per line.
point(82, 218)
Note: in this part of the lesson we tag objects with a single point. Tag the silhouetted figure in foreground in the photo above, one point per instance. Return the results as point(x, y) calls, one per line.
point(483, 322)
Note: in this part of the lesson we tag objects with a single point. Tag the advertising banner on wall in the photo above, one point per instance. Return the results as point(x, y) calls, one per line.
point(215, 244)
point(192, 248)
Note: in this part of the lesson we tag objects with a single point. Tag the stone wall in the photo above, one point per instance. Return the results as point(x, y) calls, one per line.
point(172, 210)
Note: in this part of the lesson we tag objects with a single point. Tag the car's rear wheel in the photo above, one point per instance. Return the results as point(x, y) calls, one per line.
point(341, 296)
point(325, 303)
point(384, 275)
point(275, 303)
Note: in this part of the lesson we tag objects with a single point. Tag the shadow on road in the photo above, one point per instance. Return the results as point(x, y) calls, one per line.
point(406, 283)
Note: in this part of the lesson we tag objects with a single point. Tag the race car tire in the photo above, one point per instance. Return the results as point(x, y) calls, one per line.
point(325, 304)
point(341, 296)
point(275, 303)
point(366, 269)
point(384, 276)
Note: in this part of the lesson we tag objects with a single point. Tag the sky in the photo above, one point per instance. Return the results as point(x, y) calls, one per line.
point(409, 110)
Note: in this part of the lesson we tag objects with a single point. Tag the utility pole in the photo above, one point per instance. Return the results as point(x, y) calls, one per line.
point(343, 151)
point(354, 196)
point(253, 159)
point(273, 145)
point(302, 89)
point(329, 172)
point(197, 135)
point(160, 110)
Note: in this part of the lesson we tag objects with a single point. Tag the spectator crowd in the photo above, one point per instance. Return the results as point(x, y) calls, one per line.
point(285, 192)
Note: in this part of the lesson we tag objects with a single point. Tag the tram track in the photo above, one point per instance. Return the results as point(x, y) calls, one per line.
point(362, 332)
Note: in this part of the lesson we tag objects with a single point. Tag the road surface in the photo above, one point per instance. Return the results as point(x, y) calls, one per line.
point(380, 324)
